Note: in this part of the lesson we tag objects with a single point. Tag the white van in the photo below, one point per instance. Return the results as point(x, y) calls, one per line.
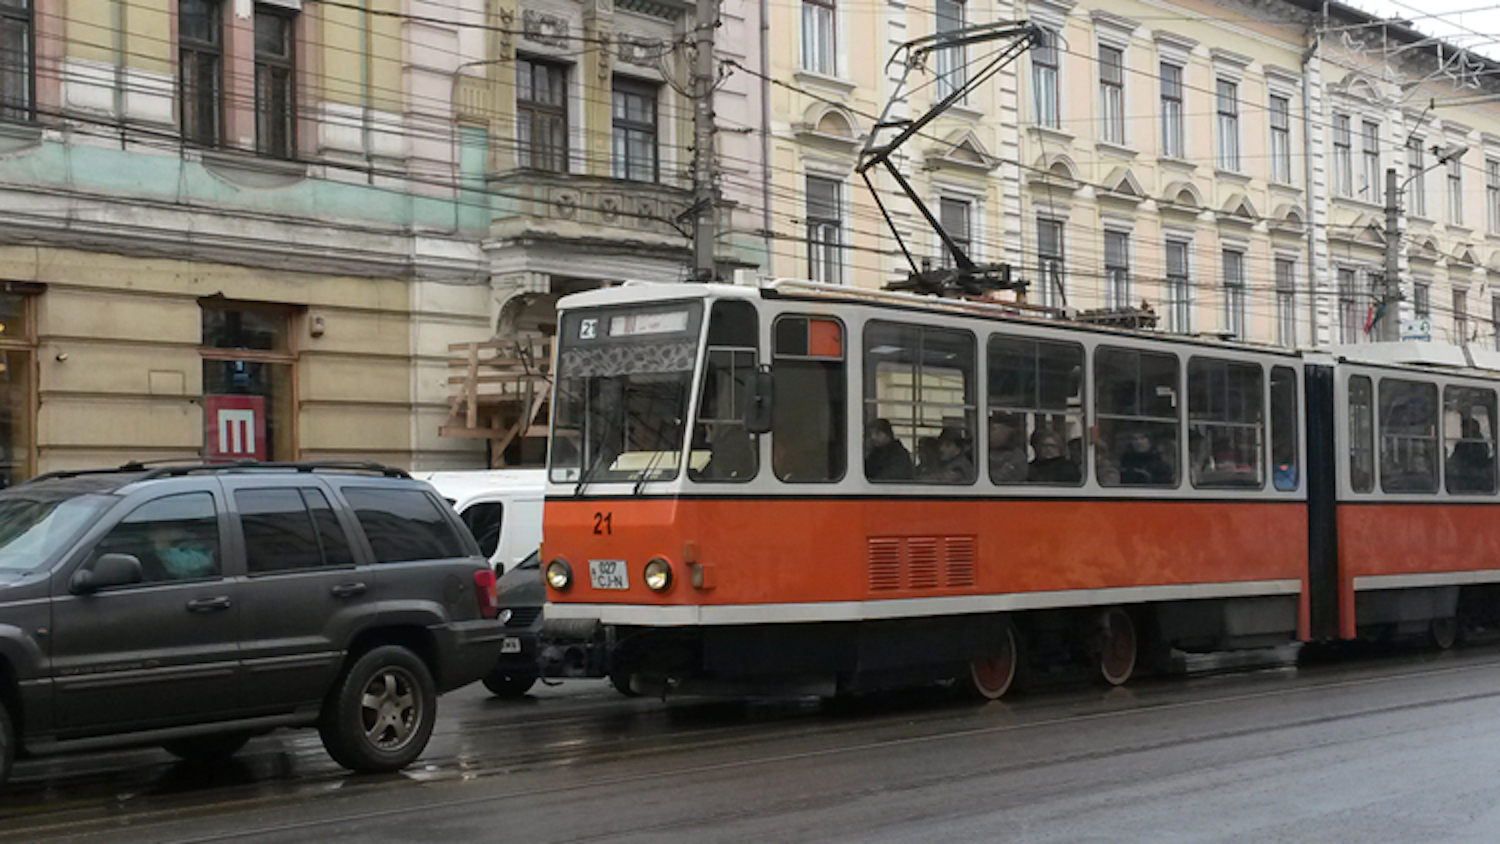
point(502, 507)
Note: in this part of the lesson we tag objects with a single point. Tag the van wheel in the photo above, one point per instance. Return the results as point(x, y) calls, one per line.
point(620, 678)
point(379, 716)
point(509, 684)
point(206, 748)
point(7, 743)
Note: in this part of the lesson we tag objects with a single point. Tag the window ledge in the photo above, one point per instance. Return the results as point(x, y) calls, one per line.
point(1359, 203)
point(1115, 149)
point(1174, 163)
point(814, 79)
point(1048, 133)
point(1285, 187)
point(1232, 176)
point(965, 112)
point(253, 171)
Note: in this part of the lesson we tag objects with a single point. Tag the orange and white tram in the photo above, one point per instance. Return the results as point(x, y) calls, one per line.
point(801, 487)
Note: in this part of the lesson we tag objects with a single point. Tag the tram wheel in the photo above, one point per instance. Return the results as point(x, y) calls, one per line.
point(1443, 632)
point(1118, 647)
point(992, 673)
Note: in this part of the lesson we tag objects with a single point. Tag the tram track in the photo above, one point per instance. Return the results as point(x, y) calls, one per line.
point(736, 740)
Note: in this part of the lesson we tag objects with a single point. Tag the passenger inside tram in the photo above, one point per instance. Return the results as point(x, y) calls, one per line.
point(1051, 465)
point(953, 463)
point(886, 458)
point(1142, 463)
point(1471, 467)
point(1007, 450)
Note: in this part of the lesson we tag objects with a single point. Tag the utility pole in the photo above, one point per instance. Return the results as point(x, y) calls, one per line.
point(1388, 298)
point(705, 187)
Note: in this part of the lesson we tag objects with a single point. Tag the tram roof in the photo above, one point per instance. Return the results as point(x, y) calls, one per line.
point(632, 292)
point(1419, 355)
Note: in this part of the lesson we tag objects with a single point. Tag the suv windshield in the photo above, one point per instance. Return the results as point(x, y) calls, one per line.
point(622, 392)
point(37, 524)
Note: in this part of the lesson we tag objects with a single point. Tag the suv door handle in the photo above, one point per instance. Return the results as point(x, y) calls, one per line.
point(349, 590)
point(220, 602)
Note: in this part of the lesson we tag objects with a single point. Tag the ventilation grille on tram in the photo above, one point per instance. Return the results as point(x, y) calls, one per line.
point(920, 563)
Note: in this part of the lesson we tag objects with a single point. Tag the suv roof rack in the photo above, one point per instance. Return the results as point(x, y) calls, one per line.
point(169, 467)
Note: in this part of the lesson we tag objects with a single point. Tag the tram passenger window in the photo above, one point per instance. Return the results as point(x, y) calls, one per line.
point(807, 413)
point(920, 381)
point(1137, 416)
point(1408, 436)
point(1035, 421)
point(1469, 439)
point(722, 448)
point(1284, 428)
point(1225, 424)
point(1361, 434)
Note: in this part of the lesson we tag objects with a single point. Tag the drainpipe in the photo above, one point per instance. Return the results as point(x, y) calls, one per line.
point(118, 22)
point(366, 72)
point(1307, 166)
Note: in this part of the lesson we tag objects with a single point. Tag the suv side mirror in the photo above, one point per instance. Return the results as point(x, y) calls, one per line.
point(108, 570)
point(758, 401)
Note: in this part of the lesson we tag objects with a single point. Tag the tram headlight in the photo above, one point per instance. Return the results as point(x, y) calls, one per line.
point(658, 575)
point(559, 574)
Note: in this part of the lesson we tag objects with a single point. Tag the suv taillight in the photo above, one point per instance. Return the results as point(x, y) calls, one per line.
point(486, 593)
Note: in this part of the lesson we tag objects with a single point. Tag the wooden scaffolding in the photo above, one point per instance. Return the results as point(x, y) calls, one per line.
point(499, 392)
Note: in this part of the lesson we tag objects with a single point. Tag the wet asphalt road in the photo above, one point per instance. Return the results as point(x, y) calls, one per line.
point(1403, 747)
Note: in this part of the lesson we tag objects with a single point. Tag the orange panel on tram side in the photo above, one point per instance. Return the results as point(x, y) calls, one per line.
point(1389, 539)
point(794, 551)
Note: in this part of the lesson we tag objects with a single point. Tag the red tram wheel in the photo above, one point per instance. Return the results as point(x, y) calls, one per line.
point(1118, 646)
point(993, 673)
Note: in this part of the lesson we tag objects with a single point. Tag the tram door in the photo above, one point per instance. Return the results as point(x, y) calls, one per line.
point(1322, 499)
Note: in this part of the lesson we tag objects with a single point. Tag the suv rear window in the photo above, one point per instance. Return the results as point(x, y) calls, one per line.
point(403, 524)
point(289, 528)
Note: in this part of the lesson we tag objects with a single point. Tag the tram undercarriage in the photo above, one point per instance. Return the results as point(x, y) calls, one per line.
point(984, 653)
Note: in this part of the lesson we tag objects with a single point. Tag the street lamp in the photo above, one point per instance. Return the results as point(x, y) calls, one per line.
point(1390, 287)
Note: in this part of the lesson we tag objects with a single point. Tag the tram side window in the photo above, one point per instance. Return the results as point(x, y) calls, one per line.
point(722, 449)
point(919, 381)
point(807, 413)
point(1408, 436)
point(1284, 428)
point(1135, 399)
point(1469, 439)
point(1035, 411)
point(1225, 424)
point(1361, 434)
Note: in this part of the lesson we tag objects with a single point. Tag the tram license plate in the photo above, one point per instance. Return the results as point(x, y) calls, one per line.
point(608, 574)
point(510, 645)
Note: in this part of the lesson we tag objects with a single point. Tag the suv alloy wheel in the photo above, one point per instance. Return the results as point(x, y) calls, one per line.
point(381, 713)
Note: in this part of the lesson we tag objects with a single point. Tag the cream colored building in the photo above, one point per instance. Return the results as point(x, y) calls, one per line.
point(1221, 163)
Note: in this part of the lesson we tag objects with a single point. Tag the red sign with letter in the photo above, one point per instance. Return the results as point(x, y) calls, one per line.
point(235, 427)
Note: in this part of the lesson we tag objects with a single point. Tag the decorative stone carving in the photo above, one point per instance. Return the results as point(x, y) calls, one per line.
point(609, 207)
point(641, 52)
point(543, 28)
point(565, 203)
point(507, 33)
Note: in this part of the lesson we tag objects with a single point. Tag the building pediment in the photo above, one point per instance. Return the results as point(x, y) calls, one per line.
point(962, 149)
point(1123, 184)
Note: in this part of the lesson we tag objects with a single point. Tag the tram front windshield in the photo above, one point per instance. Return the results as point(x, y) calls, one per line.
point(623, 380)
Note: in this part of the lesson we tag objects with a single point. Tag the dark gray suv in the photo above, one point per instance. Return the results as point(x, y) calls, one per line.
point(195, 606)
